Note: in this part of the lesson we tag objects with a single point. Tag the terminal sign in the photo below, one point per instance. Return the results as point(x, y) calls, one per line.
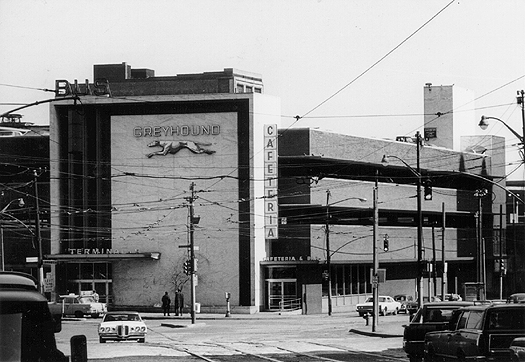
point(271, 208)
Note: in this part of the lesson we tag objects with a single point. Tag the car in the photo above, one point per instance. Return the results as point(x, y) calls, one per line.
point(517, 349)
point(28, 327)
point(433, 316)
point(516, 298)
point(81, 305)
point(122, 326)
point(387, 305)
point(404, 299)
point(412, 306)
point(480, 332)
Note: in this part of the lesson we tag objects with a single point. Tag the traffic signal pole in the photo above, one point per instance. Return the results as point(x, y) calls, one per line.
point(192, 252)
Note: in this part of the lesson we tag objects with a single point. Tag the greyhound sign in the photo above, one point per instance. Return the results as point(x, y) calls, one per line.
point(172, 147)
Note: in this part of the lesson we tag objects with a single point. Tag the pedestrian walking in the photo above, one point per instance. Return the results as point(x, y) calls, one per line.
point(166, 302)
point(179, 302)
point(95, 296)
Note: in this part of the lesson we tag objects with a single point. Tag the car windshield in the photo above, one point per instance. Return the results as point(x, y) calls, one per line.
point(121, 317)
point(434, 315)
point(87, 300)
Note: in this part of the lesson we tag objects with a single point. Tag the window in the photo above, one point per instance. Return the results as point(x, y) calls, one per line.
point(474, 320)
point(463, 320)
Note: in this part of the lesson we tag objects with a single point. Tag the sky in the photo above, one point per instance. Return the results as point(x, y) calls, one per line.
point(347, 66)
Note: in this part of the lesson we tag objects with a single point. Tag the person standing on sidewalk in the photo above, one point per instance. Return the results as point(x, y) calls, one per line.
point(179, 302)
point(166, 302)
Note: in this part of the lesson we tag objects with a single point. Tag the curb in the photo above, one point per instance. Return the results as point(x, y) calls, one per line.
point(375, 334)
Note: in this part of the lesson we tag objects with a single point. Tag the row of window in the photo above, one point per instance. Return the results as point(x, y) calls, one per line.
point(348, 280)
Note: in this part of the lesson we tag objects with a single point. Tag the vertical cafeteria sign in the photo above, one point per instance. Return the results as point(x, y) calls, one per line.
point(271, 211)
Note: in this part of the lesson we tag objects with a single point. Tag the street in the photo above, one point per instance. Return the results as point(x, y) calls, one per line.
point(268, 336)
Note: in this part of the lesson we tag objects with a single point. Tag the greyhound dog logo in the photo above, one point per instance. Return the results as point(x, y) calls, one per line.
point(172, 147)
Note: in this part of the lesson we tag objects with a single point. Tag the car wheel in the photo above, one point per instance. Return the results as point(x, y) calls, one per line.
point(415, 359)
point(395, 312)
point(101, 340)
point(430, 355)
point(142, 340)
point(95, 315)
point(79, 314)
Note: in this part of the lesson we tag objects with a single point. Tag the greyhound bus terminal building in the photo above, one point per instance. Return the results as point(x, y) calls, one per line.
point(132, 152)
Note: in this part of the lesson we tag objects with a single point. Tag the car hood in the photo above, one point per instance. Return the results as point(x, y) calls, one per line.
point(120, 323)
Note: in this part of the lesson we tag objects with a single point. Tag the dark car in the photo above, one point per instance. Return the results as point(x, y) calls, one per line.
point(28, 328)
point(481, 332)
point(517, 348)
point(432, 316)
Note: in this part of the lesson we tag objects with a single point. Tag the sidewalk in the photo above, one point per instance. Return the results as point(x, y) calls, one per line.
point(387, 327)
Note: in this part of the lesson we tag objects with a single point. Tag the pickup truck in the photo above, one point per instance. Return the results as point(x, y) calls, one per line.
point(431, 317)
point(80, 305)
point(480, 332)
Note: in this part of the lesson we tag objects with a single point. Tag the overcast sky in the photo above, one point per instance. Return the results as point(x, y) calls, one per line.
point(355, 67)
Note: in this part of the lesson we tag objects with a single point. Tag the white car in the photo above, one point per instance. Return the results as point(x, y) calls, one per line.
point(387, 305)
point(122, 326)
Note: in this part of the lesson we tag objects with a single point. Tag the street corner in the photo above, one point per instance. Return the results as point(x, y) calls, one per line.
point(380, 332)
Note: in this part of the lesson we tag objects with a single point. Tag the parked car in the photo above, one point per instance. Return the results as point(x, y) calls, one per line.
point(387, 305)
point(28, 328)
point(122, 326)
point(434, 316)
point(404, 299)
point(480, 332)
point(81, 305)
point(517, 349)
point(412, 306)
point(516, 298)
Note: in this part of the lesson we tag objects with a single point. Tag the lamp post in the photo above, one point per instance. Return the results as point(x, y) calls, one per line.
point(481, 269)
point(3, 212)
point(417, 173)
point(328, 256)
point(483, 124)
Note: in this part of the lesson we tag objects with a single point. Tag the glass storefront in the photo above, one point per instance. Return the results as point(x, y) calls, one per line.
point(90, 276)
point(281, 287)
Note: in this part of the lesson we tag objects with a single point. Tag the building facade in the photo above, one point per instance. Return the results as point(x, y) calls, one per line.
point(137, 156)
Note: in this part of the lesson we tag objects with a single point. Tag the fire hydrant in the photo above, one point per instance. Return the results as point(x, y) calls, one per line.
point(366, 317)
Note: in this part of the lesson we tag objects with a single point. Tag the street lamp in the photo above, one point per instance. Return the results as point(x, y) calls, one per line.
point(480, 265)
point(328, 256)
point(3, 212)
point(417, 173)
point(483, 124)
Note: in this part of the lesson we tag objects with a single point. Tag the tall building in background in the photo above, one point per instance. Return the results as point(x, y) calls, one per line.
point(449, 114)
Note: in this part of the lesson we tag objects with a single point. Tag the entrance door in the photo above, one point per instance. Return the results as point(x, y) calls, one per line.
point(282, 294)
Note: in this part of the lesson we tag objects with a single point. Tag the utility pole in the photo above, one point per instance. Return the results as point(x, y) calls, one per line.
point(191, 200)
point(419, 226)
point(443, 258)
point(38, 238)
point(328, 261)
point(375, 281)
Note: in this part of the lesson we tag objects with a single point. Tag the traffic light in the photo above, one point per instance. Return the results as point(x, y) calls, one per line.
point(385, 243)
point(428, 189)
point(187, 267)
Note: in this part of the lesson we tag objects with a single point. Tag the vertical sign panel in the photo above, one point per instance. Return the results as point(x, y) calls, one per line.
point(271, 209)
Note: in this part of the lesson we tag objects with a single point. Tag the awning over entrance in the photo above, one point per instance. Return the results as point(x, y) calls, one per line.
point(100, 257)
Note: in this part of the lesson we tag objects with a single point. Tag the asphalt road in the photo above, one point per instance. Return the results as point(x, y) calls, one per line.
point(215, 338)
